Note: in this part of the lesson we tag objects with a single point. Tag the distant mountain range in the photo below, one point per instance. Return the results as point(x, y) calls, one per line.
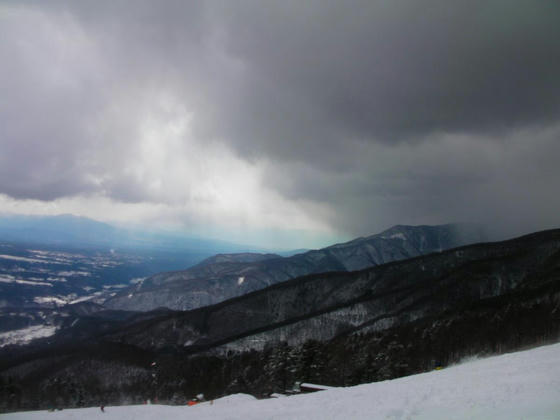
point(336, 328)
point(226, 276)
point(83, 232)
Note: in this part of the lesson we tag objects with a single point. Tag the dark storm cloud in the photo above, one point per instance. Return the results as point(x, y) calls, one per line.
point(382, 111)
point(506, 184)
point(387, 71)
point(405, 112)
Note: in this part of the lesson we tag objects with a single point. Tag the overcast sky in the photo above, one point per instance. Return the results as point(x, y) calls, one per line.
point(286, 123)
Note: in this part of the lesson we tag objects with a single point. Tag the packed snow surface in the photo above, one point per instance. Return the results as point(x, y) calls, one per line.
point(49, 299)
point(524, 385)
point(26, 335)
point(398, 235)
point(12, 279)
point(23, 259)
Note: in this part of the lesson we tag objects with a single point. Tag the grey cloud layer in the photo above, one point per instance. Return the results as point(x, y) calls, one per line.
point(385, 112)
point(388, 71)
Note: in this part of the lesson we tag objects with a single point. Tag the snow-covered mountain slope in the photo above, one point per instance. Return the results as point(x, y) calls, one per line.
point(323, 306)
point(223, 277)
point(342, 328)
point(523, 385)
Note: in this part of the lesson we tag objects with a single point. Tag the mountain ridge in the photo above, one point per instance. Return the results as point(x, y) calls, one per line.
point(206, 284)
point(336, 328)
point(457, 259)
point(68, 229)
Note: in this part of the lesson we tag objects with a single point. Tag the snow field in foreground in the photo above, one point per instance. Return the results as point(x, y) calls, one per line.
point(523, 385)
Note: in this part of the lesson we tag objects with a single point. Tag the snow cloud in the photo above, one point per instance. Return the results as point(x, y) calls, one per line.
point(319, 118)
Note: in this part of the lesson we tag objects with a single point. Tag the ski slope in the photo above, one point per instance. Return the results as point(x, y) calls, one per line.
point(523, 385)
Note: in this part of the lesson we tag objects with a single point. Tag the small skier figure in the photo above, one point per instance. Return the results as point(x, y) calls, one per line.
point(102, 408)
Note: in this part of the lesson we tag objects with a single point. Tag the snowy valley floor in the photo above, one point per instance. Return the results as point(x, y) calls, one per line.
point(523, 385)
